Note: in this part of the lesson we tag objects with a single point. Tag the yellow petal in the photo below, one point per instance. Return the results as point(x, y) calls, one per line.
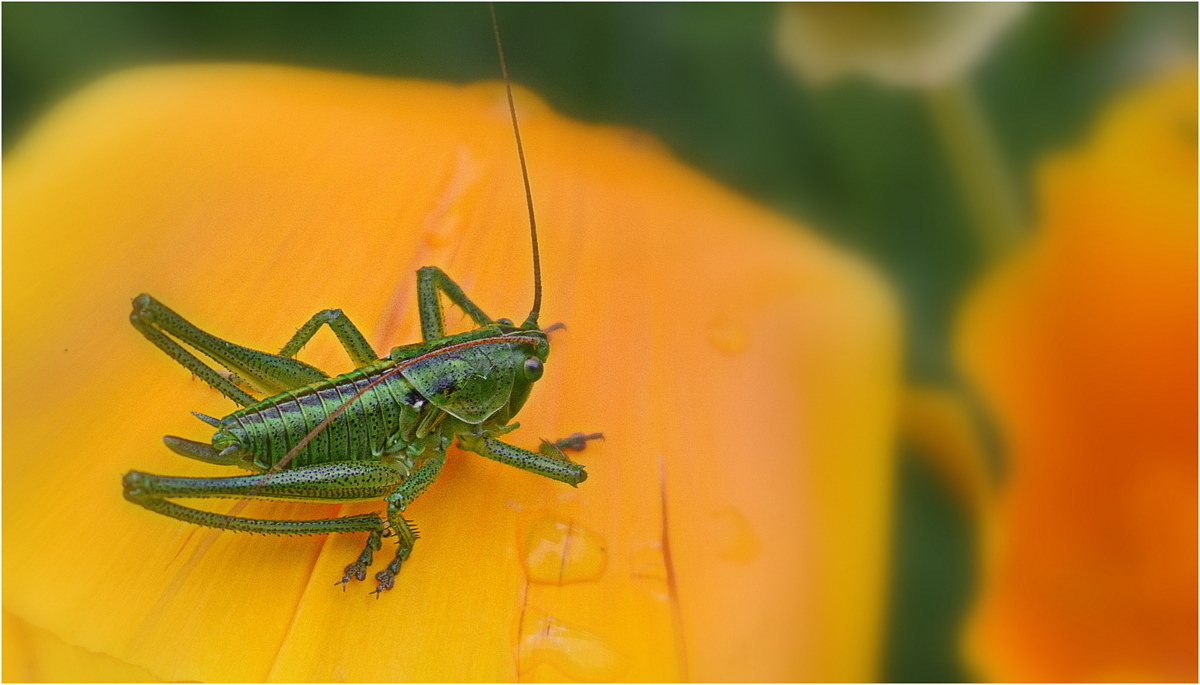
point(1085, 347)
point(734, 525)
point(35, 655)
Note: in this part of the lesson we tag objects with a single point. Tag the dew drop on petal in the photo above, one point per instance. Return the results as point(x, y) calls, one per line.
point(728, 336)
point(558, 552)
point(442, 223)
point(442, 232)
point(641, 141)
point(736, 539)
point(576, 653)
point(648, 568)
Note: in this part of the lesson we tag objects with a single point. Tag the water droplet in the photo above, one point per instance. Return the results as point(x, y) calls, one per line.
point(577, 653)
point(527, 102)
point(441, 232)
point(728, 335)
point(558, 552)
point(736, 538)
point(649, 569)
point(641, 141)
point(648, 563)
point(442, 223)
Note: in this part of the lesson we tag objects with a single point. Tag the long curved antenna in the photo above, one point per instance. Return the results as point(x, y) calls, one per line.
point(182, 574)
point(532, 321)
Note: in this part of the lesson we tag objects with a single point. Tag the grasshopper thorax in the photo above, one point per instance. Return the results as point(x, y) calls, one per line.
point(475, 375)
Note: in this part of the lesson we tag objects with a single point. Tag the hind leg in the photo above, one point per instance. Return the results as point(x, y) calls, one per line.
point(338, 481)
point(270, 373)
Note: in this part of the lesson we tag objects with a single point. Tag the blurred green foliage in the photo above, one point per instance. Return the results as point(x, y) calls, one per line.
point(857, 161)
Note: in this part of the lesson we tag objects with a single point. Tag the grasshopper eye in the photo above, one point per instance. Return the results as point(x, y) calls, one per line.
point(533, 369)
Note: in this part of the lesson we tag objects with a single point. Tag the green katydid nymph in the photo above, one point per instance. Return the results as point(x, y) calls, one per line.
point(380, 431)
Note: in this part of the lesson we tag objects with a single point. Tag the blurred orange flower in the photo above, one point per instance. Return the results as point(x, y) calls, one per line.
point(1085, 348)
point(735, 523)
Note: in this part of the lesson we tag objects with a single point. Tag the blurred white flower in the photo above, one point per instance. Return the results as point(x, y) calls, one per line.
point(900, 44)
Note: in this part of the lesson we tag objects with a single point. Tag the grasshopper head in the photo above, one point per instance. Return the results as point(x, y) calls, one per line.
point(480, 376)
point(531, 367)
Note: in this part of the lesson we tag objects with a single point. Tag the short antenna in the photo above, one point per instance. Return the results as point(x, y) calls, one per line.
point(532, 321)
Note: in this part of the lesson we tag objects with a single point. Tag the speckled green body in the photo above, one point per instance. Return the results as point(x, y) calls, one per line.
point(381, 421)
point(470, 388)
point(378, 432)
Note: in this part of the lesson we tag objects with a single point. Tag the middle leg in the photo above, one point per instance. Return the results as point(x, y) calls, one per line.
point(352, 339)
point(405, 532)
point(430, 280)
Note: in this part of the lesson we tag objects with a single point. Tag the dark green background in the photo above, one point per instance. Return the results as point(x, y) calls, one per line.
point(858, 161)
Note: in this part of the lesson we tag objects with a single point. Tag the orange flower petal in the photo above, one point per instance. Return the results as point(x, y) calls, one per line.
point(735, 522)
point(1085, 346)
point(35, 655)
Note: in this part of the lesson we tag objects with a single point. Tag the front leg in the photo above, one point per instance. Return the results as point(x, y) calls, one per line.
point(557, 467)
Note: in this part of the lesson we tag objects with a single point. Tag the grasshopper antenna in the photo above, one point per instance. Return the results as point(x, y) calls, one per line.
point(532, 321)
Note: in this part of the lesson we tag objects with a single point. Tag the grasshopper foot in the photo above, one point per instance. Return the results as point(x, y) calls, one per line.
point(577, 441)
point(387, 577)
point(358, 570)
point(387, 580)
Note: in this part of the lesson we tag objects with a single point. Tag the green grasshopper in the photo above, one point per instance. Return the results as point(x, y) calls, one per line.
point(380, 431)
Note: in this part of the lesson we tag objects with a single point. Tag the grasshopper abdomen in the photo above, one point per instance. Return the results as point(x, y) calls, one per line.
point(375, 424)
